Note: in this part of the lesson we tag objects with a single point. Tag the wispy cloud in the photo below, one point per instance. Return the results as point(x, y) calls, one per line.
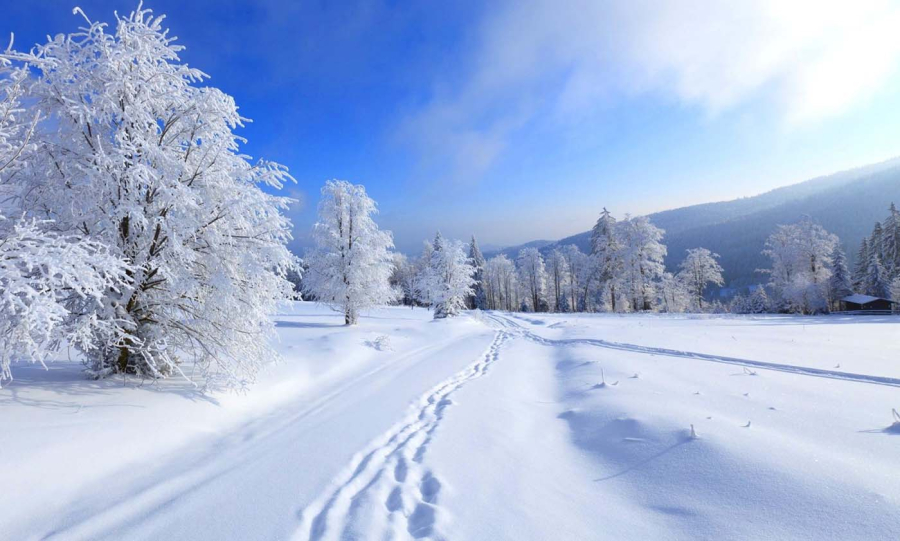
point(557, 62)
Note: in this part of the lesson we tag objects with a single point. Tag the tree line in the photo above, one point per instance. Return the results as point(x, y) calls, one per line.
point(623, 272)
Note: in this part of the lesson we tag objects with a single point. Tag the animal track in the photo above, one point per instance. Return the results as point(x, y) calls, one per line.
point(393, 467)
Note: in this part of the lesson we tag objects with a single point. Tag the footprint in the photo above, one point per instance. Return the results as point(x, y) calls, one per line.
point(430, 487)
point(421, 521)
point(400, 470)
point(395, 500)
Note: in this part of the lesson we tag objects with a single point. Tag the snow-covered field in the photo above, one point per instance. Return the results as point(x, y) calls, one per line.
point(487, 426)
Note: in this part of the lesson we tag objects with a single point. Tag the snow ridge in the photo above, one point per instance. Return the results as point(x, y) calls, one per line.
point(388, 491)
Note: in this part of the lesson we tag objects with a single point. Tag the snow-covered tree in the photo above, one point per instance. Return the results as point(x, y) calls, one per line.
point(558, 276)
point(351, 265)
point(673, 296)
point(449, 277)
point(130, 152)
point(46, 280)
point(478, 299)
point(758, 303)
point(532, 277)
point(699, 269)
point(861, 269)
point(839, 283)
point(877, 282)
point(606, 258)
point(642, 254)
point(801, 265)
point(895, 289)
point(578, 266)
point(500, 275)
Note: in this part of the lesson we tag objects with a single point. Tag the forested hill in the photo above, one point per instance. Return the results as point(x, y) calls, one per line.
point(846, 203)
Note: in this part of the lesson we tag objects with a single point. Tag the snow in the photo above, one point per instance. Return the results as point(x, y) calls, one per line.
point(861, 299)
point(487, 426)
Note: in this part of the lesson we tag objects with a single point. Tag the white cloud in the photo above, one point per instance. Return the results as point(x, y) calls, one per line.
point(805, 60)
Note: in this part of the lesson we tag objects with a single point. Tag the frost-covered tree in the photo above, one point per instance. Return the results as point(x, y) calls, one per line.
point(891, 242)
point(606, 258)
point(839, 283)
point(132, 153)
point(421, 286)
point(699, 269)
point(801, 265)
point(895, 290)
point(861, 269)
point(557, 275)
point(642, 254)
point(449, 277)
point(578, 266)
point(758, 302)
point(44, 279)
point(673, 296)
point(500, 275)
point(351, 264)
point(478, 299)
point(877, 282)
point(403, 279)
point(532, 277)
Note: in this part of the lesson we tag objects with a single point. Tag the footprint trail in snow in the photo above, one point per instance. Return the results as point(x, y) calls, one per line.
point(388, 491)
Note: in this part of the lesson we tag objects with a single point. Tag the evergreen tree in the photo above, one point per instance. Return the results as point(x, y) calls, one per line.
point(877, 282)
point(449, 277)
point(861, 270)
point(759, 301)
point(478, 299)
point(839, 285)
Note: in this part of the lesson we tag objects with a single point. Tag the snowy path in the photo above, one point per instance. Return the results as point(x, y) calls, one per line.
point(386, 487)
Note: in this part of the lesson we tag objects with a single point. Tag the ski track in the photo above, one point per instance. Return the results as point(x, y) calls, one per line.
point(392, 470)
point(515, 327)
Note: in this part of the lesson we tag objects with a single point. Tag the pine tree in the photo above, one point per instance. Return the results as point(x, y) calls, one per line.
point(449, 278)
point(759, 301)
point(861, 270)
point(839, 283)
point(877, 283)
point(351, 264)
point(478, 299)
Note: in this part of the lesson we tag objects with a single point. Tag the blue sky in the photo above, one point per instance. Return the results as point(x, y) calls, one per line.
point(520, 120)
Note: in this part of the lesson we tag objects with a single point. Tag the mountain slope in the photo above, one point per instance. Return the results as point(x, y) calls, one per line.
point(846, 203)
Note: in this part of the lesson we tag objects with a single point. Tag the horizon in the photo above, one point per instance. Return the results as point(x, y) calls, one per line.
point(550, 111)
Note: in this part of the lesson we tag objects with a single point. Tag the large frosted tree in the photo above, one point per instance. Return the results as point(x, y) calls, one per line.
point(605, 259)
point(698, 270)
point(801, 265)
point(448, 278)
point(642, 254)
point(351, 264)
point(131, 152)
